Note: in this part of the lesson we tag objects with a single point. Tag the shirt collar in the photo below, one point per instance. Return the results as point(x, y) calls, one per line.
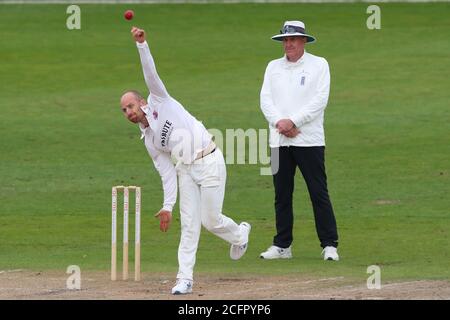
point(288, 63)
point(147, 111)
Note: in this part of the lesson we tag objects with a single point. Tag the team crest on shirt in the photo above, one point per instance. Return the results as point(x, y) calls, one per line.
point(155, 115)
point(303, 75)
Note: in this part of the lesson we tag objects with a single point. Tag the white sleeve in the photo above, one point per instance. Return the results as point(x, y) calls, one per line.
point(267, 106)
point(166, 169)
point(320, 100)
point(154, 83)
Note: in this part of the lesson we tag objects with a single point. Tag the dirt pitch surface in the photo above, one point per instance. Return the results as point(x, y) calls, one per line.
point(25, 284)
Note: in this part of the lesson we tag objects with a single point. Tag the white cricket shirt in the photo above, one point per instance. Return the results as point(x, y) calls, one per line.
point(172, 132)
point(297, 91)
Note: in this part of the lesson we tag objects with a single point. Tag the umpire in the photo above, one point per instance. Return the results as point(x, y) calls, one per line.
point(293, 99)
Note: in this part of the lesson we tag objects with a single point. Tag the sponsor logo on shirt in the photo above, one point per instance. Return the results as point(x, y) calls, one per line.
point(165, 132)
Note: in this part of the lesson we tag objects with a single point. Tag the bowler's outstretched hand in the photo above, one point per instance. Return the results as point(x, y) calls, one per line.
point(165, 217)
point(138, 34)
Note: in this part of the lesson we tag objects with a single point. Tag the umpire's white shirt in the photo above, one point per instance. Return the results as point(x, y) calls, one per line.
point(297, 91)
point(172, 131)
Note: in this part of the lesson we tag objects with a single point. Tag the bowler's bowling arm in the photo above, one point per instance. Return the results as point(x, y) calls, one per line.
point(154, 83)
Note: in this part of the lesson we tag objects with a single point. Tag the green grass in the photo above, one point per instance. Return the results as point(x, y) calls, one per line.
point(64, 142)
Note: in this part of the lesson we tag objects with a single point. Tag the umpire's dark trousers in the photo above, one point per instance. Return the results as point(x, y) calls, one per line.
point(311, 162)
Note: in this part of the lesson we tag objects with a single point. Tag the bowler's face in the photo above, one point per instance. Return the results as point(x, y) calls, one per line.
point(131, 107)
point(294, 47)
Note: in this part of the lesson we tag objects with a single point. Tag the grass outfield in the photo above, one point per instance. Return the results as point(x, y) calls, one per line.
point(64, 142)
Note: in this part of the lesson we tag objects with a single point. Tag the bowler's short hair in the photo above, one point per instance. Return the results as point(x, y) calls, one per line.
point(136, 94)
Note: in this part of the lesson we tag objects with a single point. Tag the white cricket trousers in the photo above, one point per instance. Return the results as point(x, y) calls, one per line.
point(202, 190)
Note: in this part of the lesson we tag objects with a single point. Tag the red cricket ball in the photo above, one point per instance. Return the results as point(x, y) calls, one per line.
point(129, 14)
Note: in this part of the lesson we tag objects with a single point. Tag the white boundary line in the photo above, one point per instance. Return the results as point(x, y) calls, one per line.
point(204, 1)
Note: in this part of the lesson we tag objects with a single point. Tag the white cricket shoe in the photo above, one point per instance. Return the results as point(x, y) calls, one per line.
point(183, 286)
point(236, 252)
point(330, 253)
point(275, 252)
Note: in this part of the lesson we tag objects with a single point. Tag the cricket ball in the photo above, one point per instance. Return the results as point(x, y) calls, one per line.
point(129, 14)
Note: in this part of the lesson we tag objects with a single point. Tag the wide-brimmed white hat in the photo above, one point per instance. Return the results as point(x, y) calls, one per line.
point(293, 29)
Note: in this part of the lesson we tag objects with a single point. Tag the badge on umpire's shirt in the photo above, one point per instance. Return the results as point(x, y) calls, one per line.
point(303, 75)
